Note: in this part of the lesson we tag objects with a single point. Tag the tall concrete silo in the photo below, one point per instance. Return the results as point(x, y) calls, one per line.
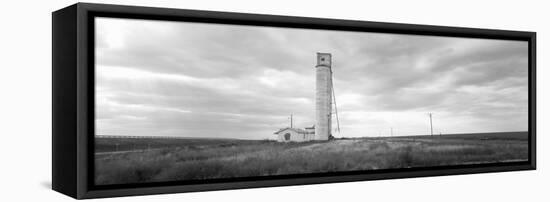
point(323, 96)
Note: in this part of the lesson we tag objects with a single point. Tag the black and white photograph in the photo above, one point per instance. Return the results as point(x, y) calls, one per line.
point(187, 101)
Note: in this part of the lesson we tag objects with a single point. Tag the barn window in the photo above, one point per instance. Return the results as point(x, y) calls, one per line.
point(287, 136)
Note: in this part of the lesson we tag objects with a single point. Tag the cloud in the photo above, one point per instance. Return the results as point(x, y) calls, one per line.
point(212, 80)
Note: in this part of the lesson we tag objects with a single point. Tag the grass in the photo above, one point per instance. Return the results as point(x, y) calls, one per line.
point(192, 159)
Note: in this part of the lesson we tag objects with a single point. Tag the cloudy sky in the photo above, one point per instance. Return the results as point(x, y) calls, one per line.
point(159, 78)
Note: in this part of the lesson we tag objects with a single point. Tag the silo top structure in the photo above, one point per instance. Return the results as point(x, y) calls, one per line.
point(323, 96)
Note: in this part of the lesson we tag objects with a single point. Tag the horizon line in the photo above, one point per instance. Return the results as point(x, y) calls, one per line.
point(194, 137)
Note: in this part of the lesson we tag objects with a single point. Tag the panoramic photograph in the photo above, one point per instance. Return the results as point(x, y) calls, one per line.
point(185, 101)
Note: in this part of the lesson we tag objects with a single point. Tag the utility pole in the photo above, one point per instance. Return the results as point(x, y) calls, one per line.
point(291, 124)
point(431, 125)
point(391, 131)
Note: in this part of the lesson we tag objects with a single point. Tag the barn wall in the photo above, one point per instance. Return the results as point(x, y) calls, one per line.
point(297, 137)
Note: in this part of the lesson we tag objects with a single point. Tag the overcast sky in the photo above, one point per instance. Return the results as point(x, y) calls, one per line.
point(160, 78)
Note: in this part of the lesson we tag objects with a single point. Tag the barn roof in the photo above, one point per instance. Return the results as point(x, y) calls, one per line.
point(298, 130)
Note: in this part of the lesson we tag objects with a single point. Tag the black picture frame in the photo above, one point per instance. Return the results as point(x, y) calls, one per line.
point(73, 103)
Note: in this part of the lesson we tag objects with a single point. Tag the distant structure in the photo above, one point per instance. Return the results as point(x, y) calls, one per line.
point(324, 99)
point(431, 125)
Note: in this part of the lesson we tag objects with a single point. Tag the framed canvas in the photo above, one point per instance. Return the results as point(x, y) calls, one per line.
point(157, 100)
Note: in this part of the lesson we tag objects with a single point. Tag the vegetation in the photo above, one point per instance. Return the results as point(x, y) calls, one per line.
point(192, 159)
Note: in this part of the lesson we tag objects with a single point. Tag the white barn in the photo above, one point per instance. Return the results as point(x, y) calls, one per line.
point(295, 134)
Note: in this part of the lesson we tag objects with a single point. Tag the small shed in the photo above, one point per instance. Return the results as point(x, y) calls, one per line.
point(294, 135)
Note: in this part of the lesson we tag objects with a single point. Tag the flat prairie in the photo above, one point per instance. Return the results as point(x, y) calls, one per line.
point(138, 160)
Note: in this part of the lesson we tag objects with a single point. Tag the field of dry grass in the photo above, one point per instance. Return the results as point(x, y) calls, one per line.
point(191, 159)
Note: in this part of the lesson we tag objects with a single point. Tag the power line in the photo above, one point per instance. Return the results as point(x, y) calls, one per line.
point(335, 107)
